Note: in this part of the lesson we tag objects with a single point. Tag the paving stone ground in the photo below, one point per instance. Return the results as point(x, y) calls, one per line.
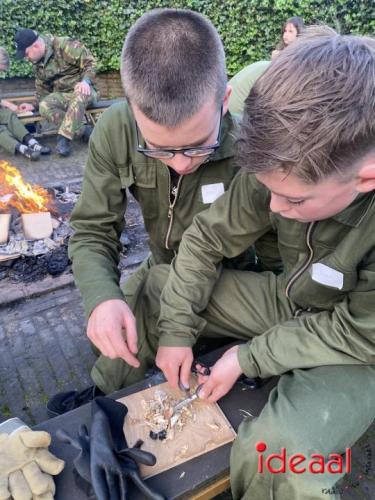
point(51, 169)
point(43, 347)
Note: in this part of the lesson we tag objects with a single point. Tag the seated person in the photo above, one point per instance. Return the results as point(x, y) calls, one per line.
point(292, 27)
point(242, 82)
point(14, 136)
point(64, 79)
point(171, 145)
point(307, 148)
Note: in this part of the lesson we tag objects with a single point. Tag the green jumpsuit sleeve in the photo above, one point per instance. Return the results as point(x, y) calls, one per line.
point(338, 335)
point(343, 336)
point(98, 220)
point(230, 226)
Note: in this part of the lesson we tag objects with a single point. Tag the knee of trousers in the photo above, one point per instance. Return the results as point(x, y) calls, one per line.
point(45, 107)
point(282, 425)
point(259, 466)
point(156, 279)
point(79, 98)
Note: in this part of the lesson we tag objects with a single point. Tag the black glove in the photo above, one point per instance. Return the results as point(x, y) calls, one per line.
point(81, 471)
point(112, 462)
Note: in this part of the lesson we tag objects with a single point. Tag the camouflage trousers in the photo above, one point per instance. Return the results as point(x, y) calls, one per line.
point(12, 131)
point(66, 111)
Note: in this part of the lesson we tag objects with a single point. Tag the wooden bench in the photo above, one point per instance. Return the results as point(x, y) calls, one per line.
point(201, 478)
point(91, 114)
point(17, 97)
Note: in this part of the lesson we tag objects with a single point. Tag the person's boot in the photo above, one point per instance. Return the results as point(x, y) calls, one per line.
point(35, 145)
point(27, 152)
point(63, 402)
point(85, 132)
point(63, 147)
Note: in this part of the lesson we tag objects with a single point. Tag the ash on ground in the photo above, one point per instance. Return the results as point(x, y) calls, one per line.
point(37, 258)
point(50, 256)
point(65, 200)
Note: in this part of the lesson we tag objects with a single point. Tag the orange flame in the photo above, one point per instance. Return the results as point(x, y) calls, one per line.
point(26, 198)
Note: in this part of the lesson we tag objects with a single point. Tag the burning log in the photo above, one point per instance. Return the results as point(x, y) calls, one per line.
point(4, 228)
point(37, 226)
point(33, 243)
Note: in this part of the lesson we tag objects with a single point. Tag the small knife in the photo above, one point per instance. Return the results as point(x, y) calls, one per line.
point(187, 401)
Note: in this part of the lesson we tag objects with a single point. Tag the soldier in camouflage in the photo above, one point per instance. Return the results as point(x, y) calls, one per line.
point(64, 80)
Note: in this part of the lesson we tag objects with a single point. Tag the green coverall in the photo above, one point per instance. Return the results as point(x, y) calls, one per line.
point(113, 166)
point(242, 83)
point(12, 131)
point(313, 325)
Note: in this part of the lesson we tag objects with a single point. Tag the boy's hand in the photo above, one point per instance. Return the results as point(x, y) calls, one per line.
point(26, 106)
point(224, 375)
point(83, 88)
point(112, 328)
point(175, 363)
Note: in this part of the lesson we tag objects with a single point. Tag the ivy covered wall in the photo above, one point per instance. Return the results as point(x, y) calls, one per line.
point(250, 29)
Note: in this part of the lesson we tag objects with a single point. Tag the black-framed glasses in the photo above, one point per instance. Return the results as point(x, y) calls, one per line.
point(193, 152)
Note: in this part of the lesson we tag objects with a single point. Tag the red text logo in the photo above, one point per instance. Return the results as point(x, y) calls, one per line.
point(280, 463)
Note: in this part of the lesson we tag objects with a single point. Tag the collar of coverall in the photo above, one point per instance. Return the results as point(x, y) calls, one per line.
point(48, 40)
point(228, 127)
point(354, 214)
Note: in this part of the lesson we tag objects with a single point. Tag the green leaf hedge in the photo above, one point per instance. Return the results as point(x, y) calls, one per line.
point(250, 29)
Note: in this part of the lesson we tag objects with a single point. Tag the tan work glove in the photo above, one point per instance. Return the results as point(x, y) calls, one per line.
point(26, 465)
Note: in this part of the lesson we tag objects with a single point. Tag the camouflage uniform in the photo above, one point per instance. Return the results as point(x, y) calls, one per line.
point(66, 62)
point(12, 130)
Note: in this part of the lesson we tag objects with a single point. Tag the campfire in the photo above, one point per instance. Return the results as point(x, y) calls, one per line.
point(33, 226)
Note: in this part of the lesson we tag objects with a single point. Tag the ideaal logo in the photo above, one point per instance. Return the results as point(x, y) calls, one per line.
point(280, 463)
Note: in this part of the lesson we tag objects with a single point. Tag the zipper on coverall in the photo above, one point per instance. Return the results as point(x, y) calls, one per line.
point(303, 268)
point(171, 207)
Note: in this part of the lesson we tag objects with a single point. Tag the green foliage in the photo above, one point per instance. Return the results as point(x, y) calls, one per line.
point(250, 29)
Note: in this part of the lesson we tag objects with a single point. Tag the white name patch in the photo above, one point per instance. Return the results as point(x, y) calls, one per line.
point(327, 276)
point(211, 192)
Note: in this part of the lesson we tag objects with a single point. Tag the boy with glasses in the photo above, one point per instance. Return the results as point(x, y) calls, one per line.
point(171, 145)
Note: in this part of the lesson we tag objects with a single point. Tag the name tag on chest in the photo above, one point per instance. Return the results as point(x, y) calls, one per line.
point(327, 276)
point(211, 192)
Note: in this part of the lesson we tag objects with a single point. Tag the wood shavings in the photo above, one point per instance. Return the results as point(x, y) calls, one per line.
point(159, 416)
point(245, 413)
point(214, 426)
point(183, 451)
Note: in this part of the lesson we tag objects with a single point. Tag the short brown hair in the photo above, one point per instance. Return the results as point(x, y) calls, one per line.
point(172, 63)
point(312, 112)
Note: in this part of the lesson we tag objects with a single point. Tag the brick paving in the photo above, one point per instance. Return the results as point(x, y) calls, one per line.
point(51, 169)
point(43, 344)
point(43, 350)
point(43, 347)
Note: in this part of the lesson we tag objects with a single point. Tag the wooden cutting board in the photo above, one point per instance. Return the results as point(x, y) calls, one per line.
point(208, 430)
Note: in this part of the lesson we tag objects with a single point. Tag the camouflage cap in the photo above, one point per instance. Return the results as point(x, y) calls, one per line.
point(24, 38)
